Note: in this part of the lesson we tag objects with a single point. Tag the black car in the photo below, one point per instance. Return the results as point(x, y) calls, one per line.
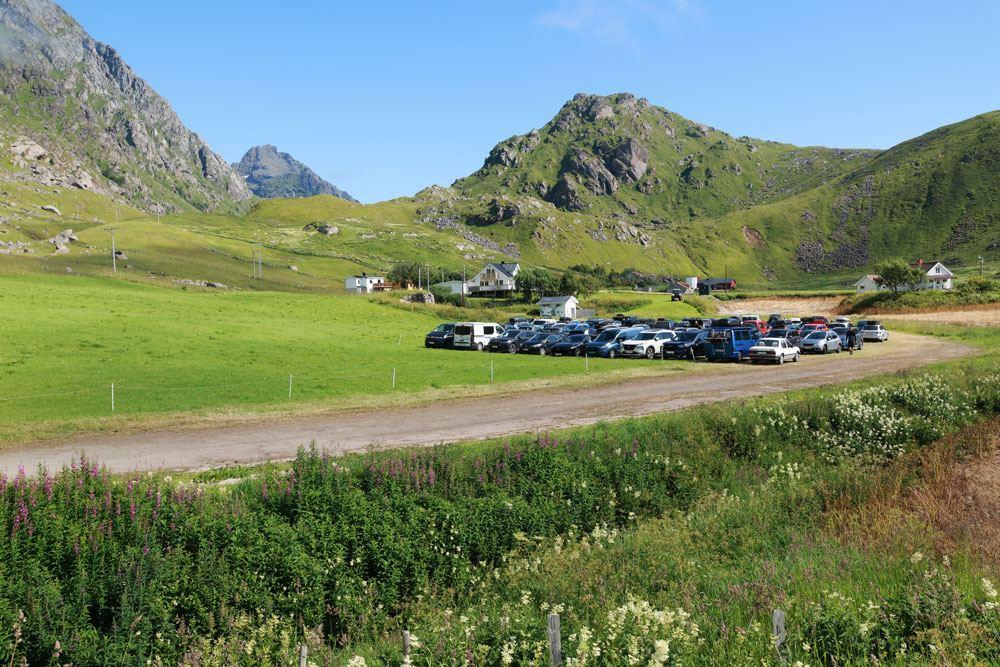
point(442, 336)
point(727, 323)
point(665, 324)
point(687, 345)
point(574, 346)
point(540, 343)
point(791, 335)
point(510, 341)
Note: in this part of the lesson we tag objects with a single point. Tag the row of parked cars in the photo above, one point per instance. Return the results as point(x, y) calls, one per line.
point(777, 340)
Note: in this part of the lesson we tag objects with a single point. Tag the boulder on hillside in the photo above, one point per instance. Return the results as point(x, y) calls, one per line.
point(629, 161)
point(28, 149)
point(51, 209)
point(322, 228)
point(62, 240)
point(565, 195)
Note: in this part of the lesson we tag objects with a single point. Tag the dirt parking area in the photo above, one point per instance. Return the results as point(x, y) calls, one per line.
point(786, 306)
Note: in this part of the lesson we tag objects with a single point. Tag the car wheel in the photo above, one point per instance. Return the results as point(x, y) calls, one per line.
point(512, 348)
point(781, 360)
point(826, 349)
point(650, 353)
point(576, 352)
point(612, 354)
point(541, 351)
point(838, 349)
point(479, 347)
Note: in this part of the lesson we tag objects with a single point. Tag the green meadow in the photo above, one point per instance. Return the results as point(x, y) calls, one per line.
point(190, 352)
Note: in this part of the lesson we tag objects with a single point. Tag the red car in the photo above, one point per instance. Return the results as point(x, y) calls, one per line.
point(812, 326)
point(756, 324)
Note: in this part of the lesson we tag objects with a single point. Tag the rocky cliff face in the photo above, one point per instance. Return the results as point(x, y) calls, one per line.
point(82, 102)
point(273, 175)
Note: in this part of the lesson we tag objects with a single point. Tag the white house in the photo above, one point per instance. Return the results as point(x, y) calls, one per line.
point(868, 284)
point(938, 276)
point(495, 280)
point(557, 306)
point(455, 286)
point(363, 284)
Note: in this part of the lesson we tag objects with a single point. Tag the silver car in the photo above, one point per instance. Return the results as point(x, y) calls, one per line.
point(874, 332)
point(821, 342)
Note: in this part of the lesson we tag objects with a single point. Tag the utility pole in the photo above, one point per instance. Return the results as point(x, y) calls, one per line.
point(463, 286)
point(981, 267)
point(114, 261)
point(258, 260)
point(428, 277)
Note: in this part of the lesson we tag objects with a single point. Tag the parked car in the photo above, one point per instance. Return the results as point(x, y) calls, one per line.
point(646, 344)
point(687, 345)
point(572, 346)
point(774, 350)
point(608, 342)
point(726, 323)
point(864, 323)
point(756, 324)
point(475, 335)
point(774, 317)
point(442, 336)
point(666, 324)
point(509, 341)
point(820, 342)
point(749, 318)
point(730, 343)
point(811, 327)
point(540, 343)
point(874, 332)
point(842, 322)
point(790, 334)
point(842, 332)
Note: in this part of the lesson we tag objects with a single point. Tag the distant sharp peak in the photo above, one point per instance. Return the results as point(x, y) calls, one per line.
point(273, 174)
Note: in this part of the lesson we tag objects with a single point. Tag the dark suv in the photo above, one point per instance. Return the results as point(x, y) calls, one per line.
point(442, 336)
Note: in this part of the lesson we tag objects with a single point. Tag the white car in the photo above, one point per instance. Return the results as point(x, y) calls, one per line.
point(647, 344)
point(774, 350)
point(874, 332)
point(475, 335)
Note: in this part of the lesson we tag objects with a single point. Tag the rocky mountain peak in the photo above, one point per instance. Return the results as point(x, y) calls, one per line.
point(63, 88)
point(274, 175)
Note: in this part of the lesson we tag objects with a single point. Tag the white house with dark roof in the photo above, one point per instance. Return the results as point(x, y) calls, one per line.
point(363, 284)
point(557, 306)
point(938, 276)
point(495, 280)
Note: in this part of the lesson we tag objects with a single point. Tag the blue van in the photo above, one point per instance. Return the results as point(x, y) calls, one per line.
point(609, 342)
point(730, 343)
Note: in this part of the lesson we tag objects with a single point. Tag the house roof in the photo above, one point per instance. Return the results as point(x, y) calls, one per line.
point(555, 299)
point(368, 277)
point(870, 276)
point(718, 281)
point(506, 268)
point(927, 266)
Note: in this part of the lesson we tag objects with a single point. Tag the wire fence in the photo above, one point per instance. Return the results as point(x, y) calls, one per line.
point(392, 376)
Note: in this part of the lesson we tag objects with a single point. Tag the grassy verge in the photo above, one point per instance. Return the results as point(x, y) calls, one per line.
point(667, 539)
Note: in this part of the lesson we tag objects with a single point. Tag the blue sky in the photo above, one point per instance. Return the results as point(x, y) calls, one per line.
point(383, 99)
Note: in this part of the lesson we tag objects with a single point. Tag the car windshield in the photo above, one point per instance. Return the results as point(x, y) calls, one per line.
point(841, 330)
point(646, 335)
point(687, 336)
point(606, 336)
point(778, 333)
point(576, 338)
point(816, 335)
point(871, 327)
point(768, 343)
point(444, 328)
point(538, 338)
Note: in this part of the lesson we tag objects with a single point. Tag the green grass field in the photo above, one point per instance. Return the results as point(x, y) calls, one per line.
point(175, 353)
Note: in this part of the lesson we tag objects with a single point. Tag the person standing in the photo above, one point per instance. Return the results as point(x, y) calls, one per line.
point(852, 340)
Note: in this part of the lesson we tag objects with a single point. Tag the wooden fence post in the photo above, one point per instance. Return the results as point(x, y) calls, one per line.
point(406, 643)
point(555, 641)
point(303, 654)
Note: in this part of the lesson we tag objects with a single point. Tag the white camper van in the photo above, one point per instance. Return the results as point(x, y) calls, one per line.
point(475, 335)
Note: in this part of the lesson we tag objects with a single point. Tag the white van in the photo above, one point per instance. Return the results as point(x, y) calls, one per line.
point(475, 335)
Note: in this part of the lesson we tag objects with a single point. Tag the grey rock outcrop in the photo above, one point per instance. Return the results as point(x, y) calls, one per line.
point(629, 161)
point(274, 175)
point(591, 172)
point(62, 240)
point(114, 122)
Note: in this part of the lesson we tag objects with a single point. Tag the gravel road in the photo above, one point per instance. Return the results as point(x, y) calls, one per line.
point(468, 419)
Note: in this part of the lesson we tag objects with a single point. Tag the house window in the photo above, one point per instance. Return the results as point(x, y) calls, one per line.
point(937, 269)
